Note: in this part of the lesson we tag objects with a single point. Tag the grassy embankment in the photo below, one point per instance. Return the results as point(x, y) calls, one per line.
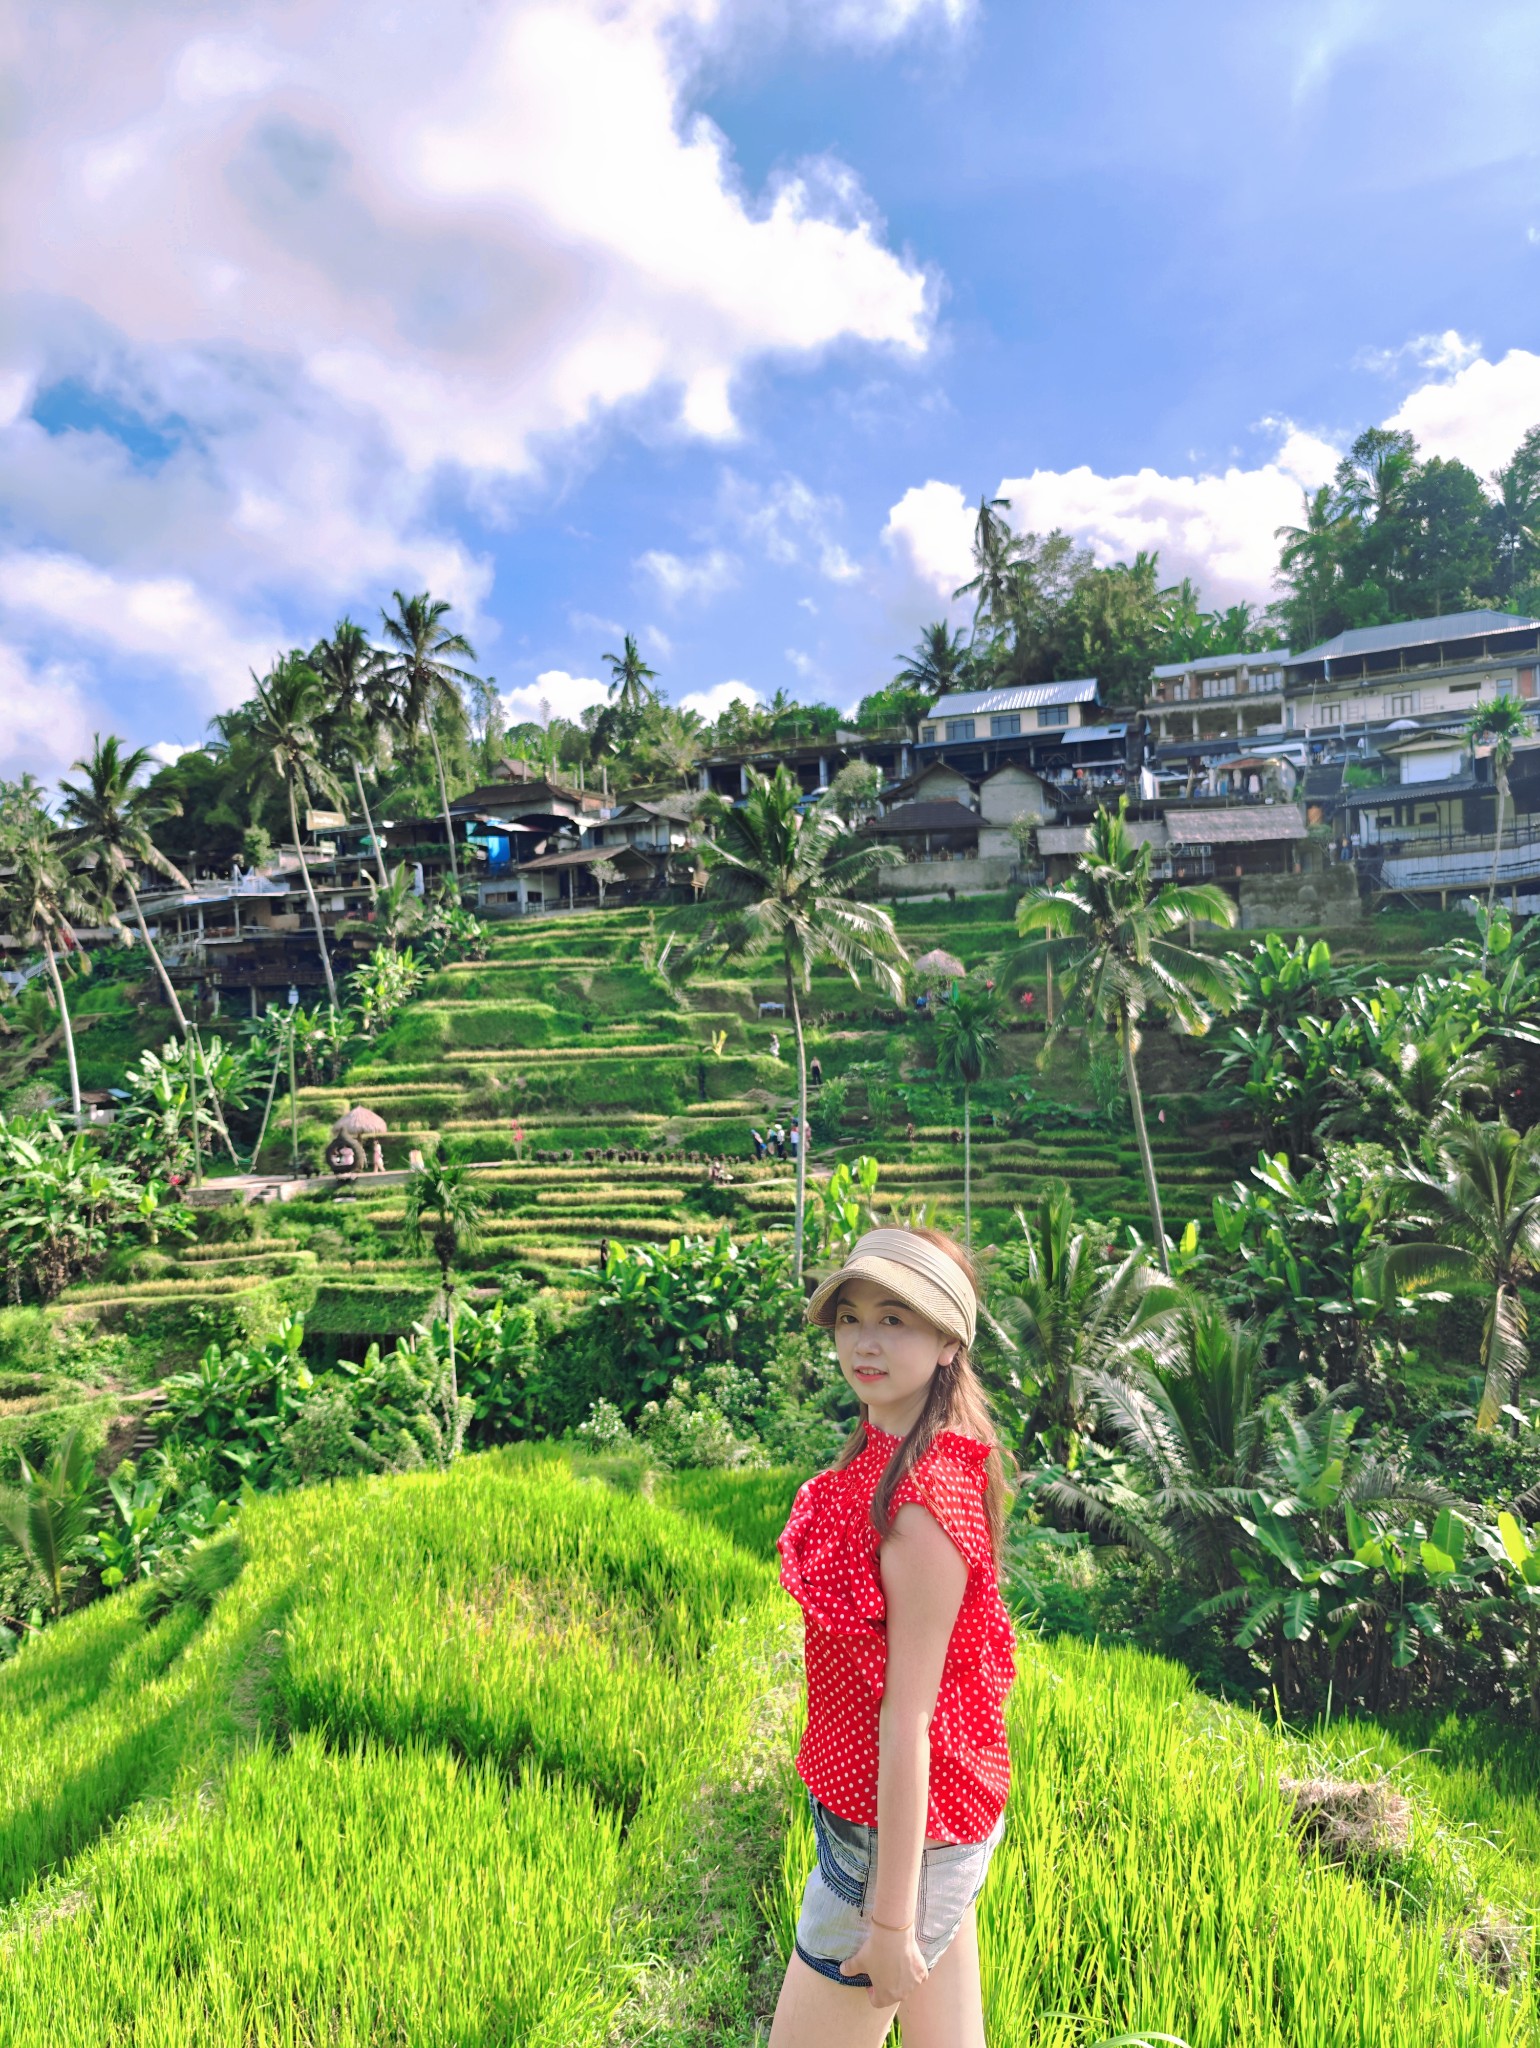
point(501, 1756)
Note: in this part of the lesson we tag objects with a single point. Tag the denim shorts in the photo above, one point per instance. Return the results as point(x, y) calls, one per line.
point(833, 1922)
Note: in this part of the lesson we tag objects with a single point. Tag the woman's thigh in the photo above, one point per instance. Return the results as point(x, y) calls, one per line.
point(946, 2011)
point(815, 2012)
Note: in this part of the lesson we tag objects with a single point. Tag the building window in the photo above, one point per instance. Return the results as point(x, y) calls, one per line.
point(1054, 714)
point(1219, 686)
point(959, 728)
point(1404, 706)
point(1386, 821)
point(927, 735)
point(1005, 726)
point(1427, 817)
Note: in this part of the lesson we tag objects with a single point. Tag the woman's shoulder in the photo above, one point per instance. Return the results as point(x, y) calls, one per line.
point(951, 1452)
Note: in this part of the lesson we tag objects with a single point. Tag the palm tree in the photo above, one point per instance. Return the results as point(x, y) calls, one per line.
point(48, 1514)
point(360, 710)
point(1498, 724)
point(938, 664)
point(110, 819)
point(790, 877)
point(1193, 1418)
point(1074, 1315)
point(443, 1214)
point(967, 1040)
point(995, 548)
point(630, 684)
point(40, 901)
point(426, 681)
point(1481, 1196)
point(1122, 963)
point(280, 720)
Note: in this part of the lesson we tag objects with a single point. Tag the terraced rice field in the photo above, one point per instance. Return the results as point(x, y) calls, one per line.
point(503, 1756)
point(591, 1097)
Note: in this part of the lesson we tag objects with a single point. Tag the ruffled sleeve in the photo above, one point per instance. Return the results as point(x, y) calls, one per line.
point(829, 1567)
point(949, 1483)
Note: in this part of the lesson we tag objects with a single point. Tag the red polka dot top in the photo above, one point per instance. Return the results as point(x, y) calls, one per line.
point(829, 1551)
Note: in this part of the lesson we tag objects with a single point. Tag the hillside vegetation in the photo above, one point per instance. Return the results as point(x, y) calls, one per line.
point(502, 1755)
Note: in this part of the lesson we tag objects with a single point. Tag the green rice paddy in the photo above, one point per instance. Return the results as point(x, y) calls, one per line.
point(502, 1756)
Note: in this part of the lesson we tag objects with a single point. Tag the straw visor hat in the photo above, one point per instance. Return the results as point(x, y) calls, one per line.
point(914, 1271)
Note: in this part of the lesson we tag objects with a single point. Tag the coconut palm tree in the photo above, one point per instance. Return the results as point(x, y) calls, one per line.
point(789, 877)
point(41, 900)
point(1498, 725)
point(1074, 1315)
point(361, 708)
point(630, 684)
point(110, 819)
point(1122, 963)
point(993, 582)
point(967, 1040)
point(47, 1515)
point(421, 669)
point(1480, 1201)
point(281, 720)
point(938, 664)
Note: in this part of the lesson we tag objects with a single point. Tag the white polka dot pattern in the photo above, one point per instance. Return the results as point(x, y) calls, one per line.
point(829, 1564)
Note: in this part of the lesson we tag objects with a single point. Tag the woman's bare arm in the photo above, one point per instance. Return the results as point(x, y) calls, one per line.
point(924, 1579)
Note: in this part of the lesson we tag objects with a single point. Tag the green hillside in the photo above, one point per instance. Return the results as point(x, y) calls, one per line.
point(622, 1089)
point(503, 1756)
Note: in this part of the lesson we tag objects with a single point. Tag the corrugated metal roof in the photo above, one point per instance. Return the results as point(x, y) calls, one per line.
point(1029, 697)
point(1217, 664)
point(1083, 735)
point(1245, 825)
point(1414, 633)
point(1410, 792)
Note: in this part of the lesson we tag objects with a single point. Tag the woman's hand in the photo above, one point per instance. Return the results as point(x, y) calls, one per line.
point(892, 1961)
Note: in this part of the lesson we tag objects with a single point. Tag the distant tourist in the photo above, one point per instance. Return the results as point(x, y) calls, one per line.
point(795, 1139)
point(604, 1254)
point(776, 1141)
point(757, 1140)
point(815, 1072)
point(775, 1045)
point(414, 1160)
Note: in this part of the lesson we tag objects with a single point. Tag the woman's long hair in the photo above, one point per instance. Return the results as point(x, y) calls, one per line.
point(956, 1401)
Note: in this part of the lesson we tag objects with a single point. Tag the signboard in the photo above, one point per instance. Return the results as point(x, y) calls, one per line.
point(325, 821)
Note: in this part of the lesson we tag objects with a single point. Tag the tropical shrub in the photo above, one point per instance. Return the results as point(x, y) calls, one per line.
point(62, 1204)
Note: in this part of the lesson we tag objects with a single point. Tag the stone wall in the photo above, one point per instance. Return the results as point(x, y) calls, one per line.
point(943, 877)
point(1300, 902)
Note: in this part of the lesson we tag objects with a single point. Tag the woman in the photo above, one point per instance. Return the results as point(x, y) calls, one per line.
point(893, 1556)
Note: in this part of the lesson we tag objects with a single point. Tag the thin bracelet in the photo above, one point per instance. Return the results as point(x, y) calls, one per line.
point(888, 1927)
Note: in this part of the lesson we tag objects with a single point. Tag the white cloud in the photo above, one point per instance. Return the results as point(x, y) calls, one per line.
point(704, 576)
point(1218, 529)
point(790, 522)
point(713, 702)
point(804, 664)
point(1480, 414)
point(929, 530)
point(163, 619)
point(553, 694)
point(48, 722)
point(367, 288)
point(167, 752)
point(1436, 352)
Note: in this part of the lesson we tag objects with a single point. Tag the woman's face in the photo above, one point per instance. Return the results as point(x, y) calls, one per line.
point(888, 1352)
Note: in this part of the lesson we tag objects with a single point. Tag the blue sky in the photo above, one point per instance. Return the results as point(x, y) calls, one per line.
point(708, 319)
